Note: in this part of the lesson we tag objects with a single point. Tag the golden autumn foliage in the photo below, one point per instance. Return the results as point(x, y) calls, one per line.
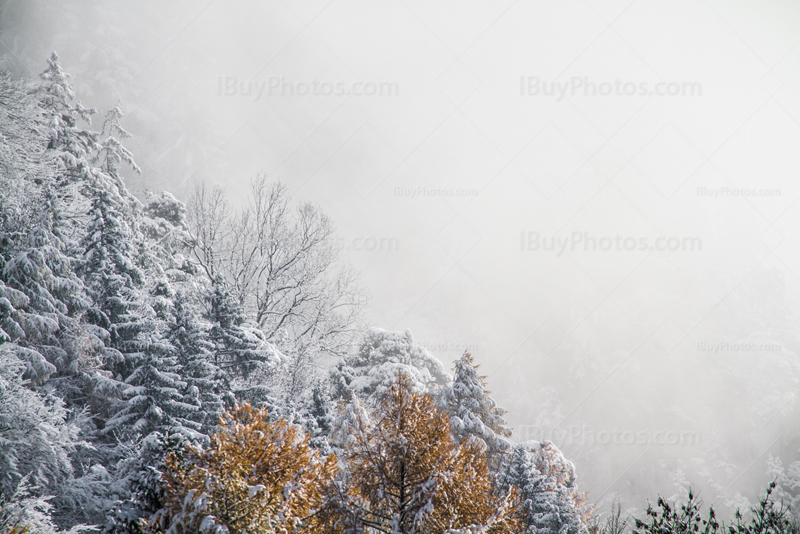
point(256, 476)
point(407, 474)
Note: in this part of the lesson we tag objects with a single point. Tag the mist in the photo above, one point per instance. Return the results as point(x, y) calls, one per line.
point(597, 200)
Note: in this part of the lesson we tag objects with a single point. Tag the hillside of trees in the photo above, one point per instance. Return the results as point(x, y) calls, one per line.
point(199, 367)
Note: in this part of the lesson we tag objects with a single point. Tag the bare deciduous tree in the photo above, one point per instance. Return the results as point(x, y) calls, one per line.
point(280, 263)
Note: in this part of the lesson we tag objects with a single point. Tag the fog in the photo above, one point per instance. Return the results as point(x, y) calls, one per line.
point(597, 199)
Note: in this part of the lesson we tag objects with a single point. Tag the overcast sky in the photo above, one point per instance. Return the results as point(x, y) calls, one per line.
point(598, 198)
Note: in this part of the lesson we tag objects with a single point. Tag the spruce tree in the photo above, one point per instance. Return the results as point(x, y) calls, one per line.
point(370, 372)
point(545, 480)
point(317, 417)
point(473, 412)
point(240, 348)
point(206, 382)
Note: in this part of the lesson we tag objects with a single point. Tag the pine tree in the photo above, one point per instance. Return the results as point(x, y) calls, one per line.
point(473, 412)
point(116, 285)
point(408, 475)
point(73, 146)
point(769, 517)
point(36, 438)
point(136, 492)
point(240, 348)
point(206, 382)
point(25, 164)
point(678, 518)
point(158, 397)
point(54, 298)
point(317, 417)
point(381, 355)
point(163, 228)
point(550, 502)
point(34, 252)
point(26, 512)
point(351, 421)
point(41, 309)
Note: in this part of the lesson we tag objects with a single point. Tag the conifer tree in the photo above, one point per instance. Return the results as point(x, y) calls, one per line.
point(73, 146)
point(35, 436)
point(678, 518)
point(256, 476)
point(473, 412)
point(545, 480)
point(770, 516)
point(54, 297)
point(240, 347)
point(317, 418)
point(206, 382)
point(408, 475)
point(370, 372)
point(351, 422)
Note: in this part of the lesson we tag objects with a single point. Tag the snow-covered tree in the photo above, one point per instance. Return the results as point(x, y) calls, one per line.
point(156, 400)
point(317, 416)
point(240, 347)
point(278, 263)
point(770, 516)
point(111, 150)
point(113, 278)
point(54, 295)
point(136, 492)
point(787, 483)
point(25, 164)
point(26, 512)
point(164, 229)
point(35, 252)
point(409, 475)
point(371, 371)
point(546, 482)
point(472, 411)
point(207, 384)
point(36, 436)
point(256, 476)
point(73, 146)
point(351, 421)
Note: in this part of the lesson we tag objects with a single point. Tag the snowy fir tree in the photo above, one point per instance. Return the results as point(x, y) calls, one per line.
point(36, 434)
point(351, 421)
point(545, 480)
point(206, 384)
point(472, 411)
point(54, 297)
point(240, 347)
point(73, 146)
point(317, 415)
point(370, 372)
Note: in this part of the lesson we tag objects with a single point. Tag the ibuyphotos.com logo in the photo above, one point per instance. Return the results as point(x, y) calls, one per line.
point(281, 86)
point(583, 86)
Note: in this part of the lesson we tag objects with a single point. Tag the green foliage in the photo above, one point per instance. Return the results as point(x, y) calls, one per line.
point(769, 517)
point(678, 518)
